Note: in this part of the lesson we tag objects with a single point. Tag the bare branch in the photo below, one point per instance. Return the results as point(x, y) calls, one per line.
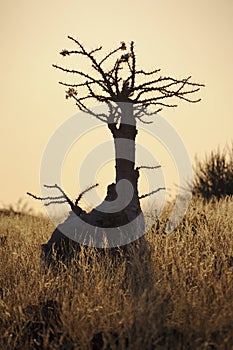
point(102, 117)
point(151, 193)
point(56, 202)
point(63, 198)
point(150, 93)
point(99, 98)
point(43, 198)
point(95, 50)
point(117, 66)
point(122, 47)
point(188, 99)
point(85, 191)
point(67, 53)
point(163, 79)
point(96, 65)
point(73, 71)
point(143, 121)
point(147, 73)
point(77, 85)
point(148, 167)
point(68, 200)
point(141, 111)
point(152, 101)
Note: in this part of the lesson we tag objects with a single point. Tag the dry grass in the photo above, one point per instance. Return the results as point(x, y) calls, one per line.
point(178, 297)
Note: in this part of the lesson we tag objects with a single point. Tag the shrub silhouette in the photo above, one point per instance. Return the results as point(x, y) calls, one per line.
point(214, 175)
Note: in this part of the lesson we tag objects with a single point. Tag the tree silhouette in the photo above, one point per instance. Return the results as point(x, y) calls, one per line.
point(131, 95)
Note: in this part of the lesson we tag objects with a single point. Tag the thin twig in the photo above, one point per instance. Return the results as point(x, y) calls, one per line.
point(148, 167)
point(151, 193)
point(85, 191)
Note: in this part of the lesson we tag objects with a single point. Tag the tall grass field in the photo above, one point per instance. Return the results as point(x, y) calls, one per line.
point(175, 294)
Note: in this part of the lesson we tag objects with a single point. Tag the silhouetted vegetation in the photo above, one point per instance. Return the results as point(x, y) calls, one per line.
point(214, 174)
point(131, 95)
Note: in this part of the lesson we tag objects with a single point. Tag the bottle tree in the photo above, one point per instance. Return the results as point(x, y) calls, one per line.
point(131, 95)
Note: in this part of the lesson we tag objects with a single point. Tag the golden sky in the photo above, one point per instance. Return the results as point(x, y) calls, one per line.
point(181, 37)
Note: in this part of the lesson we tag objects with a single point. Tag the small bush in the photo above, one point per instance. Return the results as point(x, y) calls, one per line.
point(214, 176)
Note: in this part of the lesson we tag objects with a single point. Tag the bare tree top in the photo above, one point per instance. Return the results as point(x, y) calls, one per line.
point(120, 82)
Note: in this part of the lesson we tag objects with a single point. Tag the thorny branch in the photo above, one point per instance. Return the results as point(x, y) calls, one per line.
point(153, 192)
point(63, 198)
point(114, 89)
point(148, 167)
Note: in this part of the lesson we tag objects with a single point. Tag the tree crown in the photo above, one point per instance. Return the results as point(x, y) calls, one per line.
point(113, 87)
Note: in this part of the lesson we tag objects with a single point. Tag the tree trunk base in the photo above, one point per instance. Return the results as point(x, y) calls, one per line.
point(116, 231)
